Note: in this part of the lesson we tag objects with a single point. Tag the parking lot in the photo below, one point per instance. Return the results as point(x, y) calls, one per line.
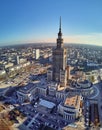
point(37, 118)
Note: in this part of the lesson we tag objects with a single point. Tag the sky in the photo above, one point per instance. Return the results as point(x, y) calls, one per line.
point(31, 21)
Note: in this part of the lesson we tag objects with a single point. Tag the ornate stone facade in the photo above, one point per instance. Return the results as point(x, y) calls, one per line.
point(60, 61)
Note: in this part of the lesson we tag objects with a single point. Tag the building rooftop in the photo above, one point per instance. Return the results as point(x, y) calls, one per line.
point(4, 85)
point(79, 127)
point(46, 103)
point(4, 125)
point(85, 84)
point(83, 81)
point(72, 101)
point(30, 86)
point(27, 88)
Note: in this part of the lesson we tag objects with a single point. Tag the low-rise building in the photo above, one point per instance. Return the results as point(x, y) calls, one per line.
point(85, 87)
point(52, 87)
point(70, 107)
point(2, 72)
point(31, 90)
point(26, 93)
point(9, 65)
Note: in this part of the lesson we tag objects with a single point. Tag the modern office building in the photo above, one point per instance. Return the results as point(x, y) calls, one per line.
point(37, 54)
point(17, 60)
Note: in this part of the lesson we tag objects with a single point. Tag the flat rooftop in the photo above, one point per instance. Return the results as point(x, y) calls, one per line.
point(84, 81)
point(46, 103)
point(27, 88)
point(4, 85)
point(30, 86)
point(72, 101)
point(4, 125)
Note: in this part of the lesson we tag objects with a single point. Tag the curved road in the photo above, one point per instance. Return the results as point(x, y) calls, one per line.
point(96, 93)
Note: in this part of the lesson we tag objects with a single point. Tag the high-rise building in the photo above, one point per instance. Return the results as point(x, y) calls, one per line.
point(17, 59)
point(37, 54)
point(59, 71)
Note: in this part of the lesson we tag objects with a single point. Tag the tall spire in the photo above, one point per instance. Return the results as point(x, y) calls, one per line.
point(59, 39)
point(60, 25)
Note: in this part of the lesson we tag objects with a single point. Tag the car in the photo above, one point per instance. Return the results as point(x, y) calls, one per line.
point(87, 120)
point(35, 105)
point(39, 123)
point(43, 115)
point(65, 123)
point(37, 126)
point(87, 124)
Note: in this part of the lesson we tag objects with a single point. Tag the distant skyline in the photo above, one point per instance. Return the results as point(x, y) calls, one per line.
point(32, 21)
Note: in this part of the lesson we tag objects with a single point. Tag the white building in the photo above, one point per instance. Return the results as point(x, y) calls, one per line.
point(37, 54)
point(70, 107)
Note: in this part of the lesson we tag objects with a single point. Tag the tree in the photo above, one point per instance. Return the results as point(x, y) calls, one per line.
point(92, 79)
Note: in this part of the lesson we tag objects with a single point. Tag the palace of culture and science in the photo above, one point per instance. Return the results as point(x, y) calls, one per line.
point(56, 86)
point(59, 71)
